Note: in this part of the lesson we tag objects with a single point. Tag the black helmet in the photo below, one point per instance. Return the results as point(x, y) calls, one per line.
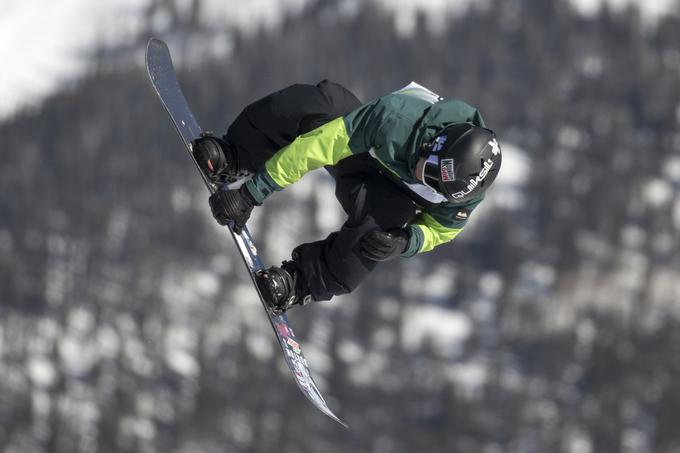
point(462, 161)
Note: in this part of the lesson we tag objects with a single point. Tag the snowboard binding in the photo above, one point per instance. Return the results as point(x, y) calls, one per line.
point(283, 287)
point(217, 159)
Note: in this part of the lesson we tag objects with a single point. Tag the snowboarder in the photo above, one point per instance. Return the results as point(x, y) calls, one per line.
point(409, 169)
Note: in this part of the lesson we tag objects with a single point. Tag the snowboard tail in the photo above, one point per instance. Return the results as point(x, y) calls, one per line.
point(164, 80)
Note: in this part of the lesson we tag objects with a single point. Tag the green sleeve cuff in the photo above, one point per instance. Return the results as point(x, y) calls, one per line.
point(261, 186)
point(415, 241)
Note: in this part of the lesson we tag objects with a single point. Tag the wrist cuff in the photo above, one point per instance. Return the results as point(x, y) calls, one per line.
point(246, 193)
point(415, 241)
point(261, 186)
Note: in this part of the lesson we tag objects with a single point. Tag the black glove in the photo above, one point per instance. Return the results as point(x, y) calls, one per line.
point(232, 205)
point(384, 245)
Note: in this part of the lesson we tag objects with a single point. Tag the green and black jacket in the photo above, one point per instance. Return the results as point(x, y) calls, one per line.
point(392, 129)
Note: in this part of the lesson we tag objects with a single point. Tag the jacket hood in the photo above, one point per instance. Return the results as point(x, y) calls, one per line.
point(437, 117)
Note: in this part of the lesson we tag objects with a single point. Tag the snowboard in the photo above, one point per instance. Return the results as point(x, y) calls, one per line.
point(164, 80)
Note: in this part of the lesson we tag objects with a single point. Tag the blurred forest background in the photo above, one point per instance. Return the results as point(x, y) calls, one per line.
point(552, 324)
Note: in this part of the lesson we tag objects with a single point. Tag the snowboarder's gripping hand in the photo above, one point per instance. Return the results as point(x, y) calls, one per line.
point(384, 245)
point(232, 205)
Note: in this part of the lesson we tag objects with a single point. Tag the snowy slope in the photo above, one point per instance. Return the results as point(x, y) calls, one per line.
point(651, 9)
point(47, 43)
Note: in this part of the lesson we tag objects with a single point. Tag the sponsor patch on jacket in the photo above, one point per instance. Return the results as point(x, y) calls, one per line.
point(462, 214)
point(446, 167)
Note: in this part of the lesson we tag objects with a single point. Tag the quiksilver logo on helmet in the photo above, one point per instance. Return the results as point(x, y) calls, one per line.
point(474, 182)
point(495, 148)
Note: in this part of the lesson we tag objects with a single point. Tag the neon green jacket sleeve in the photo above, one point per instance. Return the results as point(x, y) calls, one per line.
point(438, 225)
point(325, 145)
point(427, 233)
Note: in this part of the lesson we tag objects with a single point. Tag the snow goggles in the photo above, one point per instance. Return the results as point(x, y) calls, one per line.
point(430, 175)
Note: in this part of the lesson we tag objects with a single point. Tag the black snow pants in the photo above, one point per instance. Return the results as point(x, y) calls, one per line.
point(334, 265)
point(372, 202)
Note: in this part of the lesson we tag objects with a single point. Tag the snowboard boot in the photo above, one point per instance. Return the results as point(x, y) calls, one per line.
point(217, 159)
point(284, 287)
